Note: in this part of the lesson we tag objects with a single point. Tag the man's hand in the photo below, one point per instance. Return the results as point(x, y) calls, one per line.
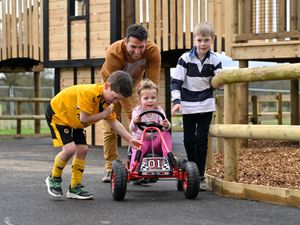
point(176, 108)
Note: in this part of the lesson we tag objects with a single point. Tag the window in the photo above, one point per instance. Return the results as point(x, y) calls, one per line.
point(77, 8)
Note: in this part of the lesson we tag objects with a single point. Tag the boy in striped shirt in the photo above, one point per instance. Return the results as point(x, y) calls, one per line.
point(192, 94)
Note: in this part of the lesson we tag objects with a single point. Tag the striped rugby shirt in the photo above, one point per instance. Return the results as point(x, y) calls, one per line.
point(190, 84)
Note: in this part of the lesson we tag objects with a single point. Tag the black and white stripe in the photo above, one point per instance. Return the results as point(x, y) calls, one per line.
point(190, 84)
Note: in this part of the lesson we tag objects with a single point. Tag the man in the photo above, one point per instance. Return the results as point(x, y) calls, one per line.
point(140, 58)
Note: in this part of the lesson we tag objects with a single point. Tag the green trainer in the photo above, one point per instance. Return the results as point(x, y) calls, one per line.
point(79, 192)
point(54, 186)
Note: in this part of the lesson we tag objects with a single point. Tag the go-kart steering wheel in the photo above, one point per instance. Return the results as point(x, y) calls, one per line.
point(143, 125)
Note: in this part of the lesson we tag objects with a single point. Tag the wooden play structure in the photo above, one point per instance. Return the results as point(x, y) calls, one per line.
point(72, 36)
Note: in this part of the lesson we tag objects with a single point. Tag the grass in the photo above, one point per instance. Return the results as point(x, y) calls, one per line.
point(26, 131)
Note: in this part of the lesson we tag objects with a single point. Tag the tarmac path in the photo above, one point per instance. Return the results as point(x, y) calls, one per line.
point(25, 163)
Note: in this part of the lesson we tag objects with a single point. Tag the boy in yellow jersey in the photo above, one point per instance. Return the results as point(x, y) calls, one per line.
point(69, 112)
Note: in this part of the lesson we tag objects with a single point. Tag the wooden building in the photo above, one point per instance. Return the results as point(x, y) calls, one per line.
point(76, 34)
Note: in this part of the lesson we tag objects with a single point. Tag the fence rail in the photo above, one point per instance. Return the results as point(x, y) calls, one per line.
point(18, 117)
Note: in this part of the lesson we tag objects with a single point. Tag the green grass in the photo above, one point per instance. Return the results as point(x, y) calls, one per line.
point(25, 131)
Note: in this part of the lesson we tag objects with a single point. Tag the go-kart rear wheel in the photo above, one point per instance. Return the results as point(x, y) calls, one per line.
point(180, 164)
point(118, 181)
point(190, 180)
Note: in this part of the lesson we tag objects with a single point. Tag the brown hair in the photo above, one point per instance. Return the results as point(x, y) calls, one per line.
point(204, 29)
point(146, 84)
point(121, 83)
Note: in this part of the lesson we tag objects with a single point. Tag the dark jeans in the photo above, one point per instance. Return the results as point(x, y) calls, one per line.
point(195, 132)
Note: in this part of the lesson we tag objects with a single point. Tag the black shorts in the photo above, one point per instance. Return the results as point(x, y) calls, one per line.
point(61, 134)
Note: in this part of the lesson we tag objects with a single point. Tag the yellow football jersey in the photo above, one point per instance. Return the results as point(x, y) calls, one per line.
point(68, 103)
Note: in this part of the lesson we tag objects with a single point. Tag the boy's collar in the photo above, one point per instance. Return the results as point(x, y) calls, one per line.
point(193, 53)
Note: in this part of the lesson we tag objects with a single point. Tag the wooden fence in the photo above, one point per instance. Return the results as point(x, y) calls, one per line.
point(231, 127)
point(18, 117)
point(21, 30)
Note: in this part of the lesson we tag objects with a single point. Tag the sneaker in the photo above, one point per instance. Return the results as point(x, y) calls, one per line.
point(54, 186)
point(107, 177)
point(202, 184)
point(78, 192)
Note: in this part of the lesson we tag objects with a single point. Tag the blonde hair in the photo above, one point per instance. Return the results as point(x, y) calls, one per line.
point(204, 29)
point(146, 84)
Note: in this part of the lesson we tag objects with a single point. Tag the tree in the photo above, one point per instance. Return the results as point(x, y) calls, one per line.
point(11, 79)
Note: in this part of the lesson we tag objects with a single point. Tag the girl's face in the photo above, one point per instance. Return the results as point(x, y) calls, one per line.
point(148, 99)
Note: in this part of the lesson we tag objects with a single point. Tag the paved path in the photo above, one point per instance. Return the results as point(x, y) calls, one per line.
point(24, 164)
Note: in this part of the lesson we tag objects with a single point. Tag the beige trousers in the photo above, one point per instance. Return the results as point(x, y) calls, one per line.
point(110, 138)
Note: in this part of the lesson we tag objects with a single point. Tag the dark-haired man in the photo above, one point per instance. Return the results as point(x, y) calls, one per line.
point(140, 58)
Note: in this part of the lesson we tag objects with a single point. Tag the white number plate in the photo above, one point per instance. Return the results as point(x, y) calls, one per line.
point(155, 164)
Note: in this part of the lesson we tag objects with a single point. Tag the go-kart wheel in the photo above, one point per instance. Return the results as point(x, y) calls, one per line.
point(118, 181)
point(180, 164)
point(190, 180)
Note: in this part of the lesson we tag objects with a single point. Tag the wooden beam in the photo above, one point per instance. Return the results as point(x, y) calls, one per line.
point(14, 33)
point(158, 23)
point(173, 25)
point(271, 132)
point(280, 72)
point(165, 17)
point(180, 24)
point(263, 36)
point(4, 32)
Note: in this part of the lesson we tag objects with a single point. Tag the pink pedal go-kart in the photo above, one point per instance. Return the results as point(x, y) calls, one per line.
point(152, 166)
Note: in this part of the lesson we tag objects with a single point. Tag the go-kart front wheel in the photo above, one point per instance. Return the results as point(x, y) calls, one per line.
point(180, 165)
point(118, 181)
point(191, 180)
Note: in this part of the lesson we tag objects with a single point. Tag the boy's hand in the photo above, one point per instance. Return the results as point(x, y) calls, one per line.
point(111, 106)
point(175, 108)
point(108, 110)
point(135, 143)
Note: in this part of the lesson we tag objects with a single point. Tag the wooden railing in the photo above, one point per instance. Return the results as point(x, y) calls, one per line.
point(18, 117)
point(21, 29)
point(170, 23)
point(258, 114)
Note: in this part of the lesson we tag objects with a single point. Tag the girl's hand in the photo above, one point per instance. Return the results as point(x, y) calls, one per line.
point(165, 123)
point(136, 119)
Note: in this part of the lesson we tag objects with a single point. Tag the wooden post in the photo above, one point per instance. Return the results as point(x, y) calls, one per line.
point(37, 84)
point(230, 145)
point(294, 87)
point(210, 154)
point(18, 112)
point(279, 108)
point(219, 120)
point(254, 117)
point(242, 104)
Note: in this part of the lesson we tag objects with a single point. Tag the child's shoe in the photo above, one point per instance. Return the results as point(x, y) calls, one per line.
point(79, 192)
point(202, 184)
point(54, 186)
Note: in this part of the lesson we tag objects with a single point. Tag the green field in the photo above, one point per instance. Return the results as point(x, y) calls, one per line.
point(27, 127)
point(25, 131)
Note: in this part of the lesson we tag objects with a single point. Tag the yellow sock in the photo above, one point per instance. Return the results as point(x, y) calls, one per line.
point(58, 167)
point(77, 171)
